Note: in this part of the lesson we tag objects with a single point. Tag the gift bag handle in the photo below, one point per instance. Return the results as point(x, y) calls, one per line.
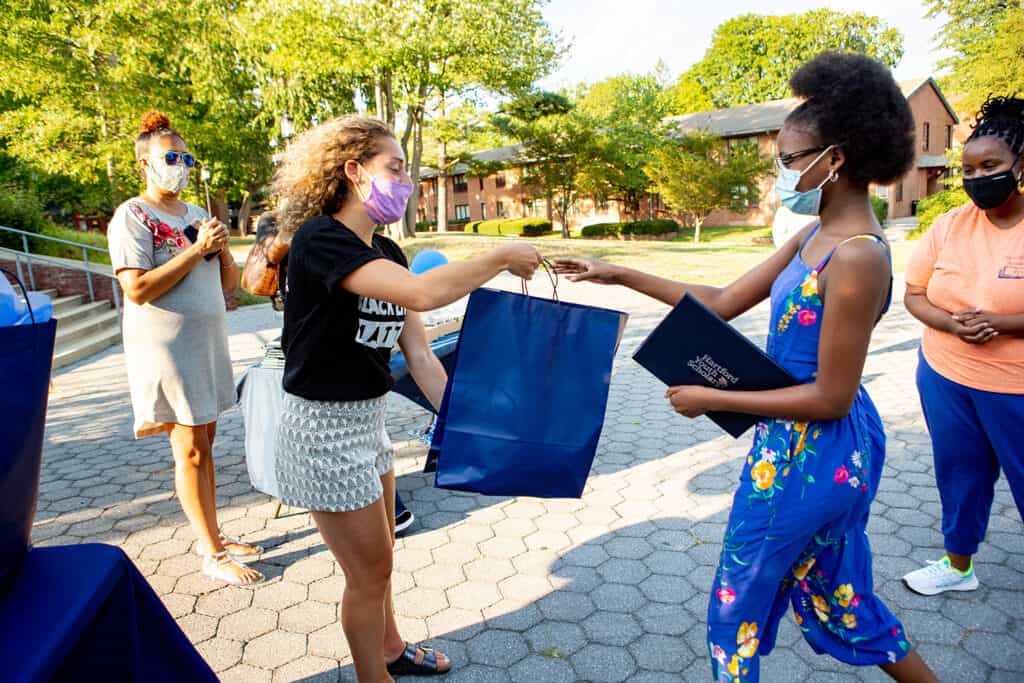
point(549, 268)
point(24, 293)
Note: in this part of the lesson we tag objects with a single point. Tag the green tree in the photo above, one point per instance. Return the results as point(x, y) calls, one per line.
point(76, 72)
point(447, 51)
point(752, 56)
point(688, 96)
point(701, 173)
point(558, 144)
point(76, 77)
point(558, 148)
point(627, 112)
point(986, 43)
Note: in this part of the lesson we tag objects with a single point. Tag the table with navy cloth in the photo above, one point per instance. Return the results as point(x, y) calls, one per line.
point(85, 613)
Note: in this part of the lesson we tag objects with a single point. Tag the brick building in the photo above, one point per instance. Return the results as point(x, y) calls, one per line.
point(501, 194)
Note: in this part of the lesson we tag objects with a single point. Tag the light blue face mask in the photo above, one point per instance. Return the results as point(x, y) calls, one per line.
point(806, 203)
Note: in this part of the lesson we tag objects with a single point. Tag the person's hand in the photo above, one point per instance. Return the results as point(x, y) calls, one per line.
point(974, 326)
point(587, 270)
point(521, 259)
point(212, 237)
point(689, 401)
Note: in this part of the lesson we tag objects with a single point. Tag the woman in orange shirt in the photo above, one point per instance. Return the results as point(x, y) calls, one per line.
point(965, 282)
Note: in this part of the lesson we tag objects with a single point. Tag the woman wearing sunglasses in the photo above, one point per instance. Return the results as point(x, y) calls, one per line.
point(172, 261)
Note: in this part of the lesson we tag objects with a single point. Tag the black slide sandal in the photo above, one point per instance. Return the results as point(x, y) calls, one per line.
point(406, 664)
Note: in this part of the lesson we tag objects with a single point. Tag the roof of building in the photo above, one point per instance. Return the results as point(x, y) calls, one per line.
point(749, 119)
point(768, 117)
point(498, 154)
point(910, 87)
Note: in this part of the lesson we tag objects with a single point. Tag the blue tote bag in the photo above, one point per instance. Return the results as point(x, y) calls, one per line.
point(26, 354)
point(524, 407)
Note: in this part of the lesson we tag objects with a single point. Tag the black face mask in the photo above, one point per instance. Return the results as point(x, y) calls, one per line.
point(991, 191)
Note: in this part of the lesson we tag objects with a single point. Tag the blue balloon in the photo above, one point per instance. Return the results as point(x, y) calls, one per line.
point(427, 259)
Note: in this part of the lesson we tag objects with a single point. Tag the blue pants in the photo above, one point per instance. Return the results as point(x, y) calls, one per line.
point(974, 434)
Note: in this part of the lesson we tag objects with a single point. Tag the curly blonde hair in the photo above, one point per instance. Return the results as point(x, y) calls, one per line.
point(311, 179)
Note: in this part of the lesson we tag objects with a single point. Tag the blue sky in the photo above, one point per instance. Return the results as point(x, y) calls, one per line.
point(617, 36)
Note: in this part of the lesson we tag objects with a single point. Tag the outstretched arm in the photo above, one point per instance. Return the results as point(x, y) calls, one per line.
point(728, 302)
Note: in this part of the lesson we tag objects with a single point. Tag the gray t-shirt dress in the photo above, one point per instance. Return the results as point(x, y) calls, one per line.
point(175, 346)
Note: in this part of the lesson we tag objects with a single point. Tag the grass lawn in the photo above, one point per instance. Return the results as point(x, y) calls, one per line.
point(722, 256)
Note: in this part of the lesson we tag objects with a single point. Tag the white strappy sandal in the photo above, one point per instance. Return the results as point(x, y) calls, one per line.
point(216, 566)
point(254, 556)
point(243, 557)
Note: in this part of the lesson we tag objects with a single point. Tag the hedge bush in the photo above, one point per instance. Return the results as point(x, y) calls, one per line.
point(659, 226)
point(930, 208)
point(881, 208)
point(426, 226)
point(530, 227)
point(602, 230)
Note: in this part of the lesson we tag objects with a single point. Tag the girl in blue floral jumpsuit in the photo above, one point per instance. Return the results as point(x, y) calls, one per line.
point(797, 530)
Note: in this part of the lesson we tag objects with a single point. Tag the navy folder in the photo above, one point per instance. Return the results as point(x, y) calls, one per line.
point(693, 345)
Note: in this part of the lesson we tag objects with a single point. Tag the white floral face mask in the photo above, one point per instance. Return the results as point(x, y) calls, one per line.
point(165, 176)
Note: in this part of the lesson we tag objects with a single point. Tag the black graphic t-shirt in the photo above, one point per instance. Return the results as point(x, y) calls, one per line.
point(337, 344)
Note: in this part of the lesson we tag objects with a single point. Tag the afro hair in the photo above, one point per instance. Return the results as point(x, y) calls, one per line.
point(852, 101)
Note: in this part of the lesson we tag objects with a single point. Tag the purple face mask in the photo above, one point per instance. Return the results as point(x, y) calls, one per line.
point(387, 201)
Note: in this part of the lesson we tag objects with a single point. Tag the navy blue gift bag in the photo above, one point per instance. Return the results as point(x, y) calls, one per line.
point(26, 355)
point(523, 409)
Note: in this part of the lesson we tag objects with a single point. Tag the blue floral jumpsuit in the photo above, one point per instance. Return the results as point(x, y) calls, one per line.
point(796, 532)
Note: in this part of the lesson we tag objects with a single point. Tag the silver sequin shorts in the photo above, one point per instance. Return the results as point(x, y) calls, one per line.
point(332, 454)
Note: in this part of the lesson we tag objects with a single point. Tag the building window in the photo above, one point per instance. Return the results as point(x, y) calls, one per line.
point(738, 143)
point(483, 208)
point(601, 206)
point(499, 179)
point(899, 191)
point(462, 212)
point(949, 137)
point(500, 209)
point(925, 135)
point(459, 183)
point(481, 182)
point(535, 208)
point(744, 195)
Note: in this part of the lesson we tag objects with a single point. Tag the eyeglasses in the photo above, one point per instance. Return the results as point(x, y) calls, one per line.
point(171, 158)
point(784, 160)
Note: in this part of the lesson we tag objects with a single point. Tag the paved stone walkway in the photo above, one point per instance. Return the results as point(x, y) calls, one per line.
point(612, 587)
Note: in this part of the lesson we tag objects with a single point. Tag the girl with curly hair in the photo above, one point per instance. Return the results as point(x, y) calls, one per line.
point(797, 530)
point(350, 299)
point(965, 282)
point(175, 335)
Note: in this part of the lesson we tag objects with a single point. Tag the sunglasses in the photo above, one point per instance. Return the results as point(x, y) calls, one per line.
point(171, 158)
point(784, 160)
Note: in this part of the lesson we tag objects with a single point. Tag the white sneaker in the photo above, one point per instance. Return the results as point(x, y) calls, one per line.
point(939, 577)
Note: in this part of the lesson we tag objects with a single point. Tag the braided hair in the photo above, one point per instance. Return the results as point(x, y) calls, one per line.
point(1004, 118)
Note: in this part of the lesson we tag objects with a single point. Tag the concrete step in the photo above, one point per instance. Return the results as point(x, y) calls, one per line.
point(63, 304)
point(68, 333)
point(52, 293)
point(81, 312)
point(86, 346)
